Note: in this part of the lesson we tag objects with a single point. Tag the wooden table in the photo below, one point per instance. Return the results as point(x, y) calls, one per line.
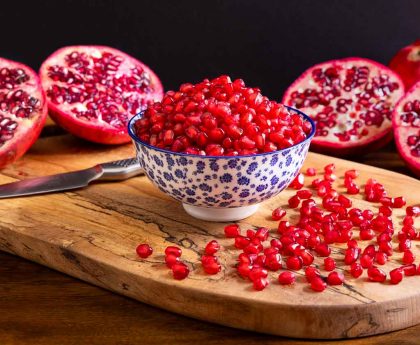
point(41, 306)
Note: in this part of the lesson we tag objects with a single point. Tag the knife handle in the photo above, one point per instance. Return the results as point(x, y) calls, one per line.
point(120, 170)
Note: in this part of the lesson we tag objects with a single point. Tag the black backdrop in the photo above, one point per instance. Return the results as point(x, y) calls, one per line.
point(266, 42)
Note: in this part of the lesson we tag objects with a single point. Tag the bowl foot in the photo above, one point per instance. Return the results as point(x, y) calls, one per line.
point(220, 214)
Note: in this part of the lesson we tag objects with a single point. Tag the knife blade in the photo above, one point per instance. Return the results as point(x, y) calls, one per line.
point(111, 171)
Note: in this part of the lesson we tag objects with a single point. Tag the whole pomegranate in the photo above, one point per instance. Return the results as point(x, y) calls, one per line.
point(351, 100)
point(93, 91)
point(406, 122)
point(23, 110)
point(407, 64)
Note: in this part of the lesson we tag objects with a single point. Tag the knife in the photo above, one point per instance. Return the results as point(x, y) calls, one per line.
point(111, 171)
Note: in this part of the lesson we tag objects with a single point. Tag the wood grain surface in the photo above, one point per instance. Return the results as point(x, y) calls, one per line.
point(60, 152)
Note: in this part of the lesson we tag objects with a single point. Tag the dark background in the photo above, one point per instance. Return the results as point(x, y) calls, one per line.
point(268, 43)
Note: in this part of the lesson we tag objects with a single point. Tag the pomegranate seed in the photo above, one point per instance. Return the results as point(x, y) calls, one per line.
point(210, 264)
point(244, 269)
point(212, 247)
point(351, 255)
point(410, 270)
point(304, 194)
point(404, 245)
point(413, 211)
point(256, 273)
point(330, 168)
point(278, 214)
point(241, 242)
point(375, 274)
point(180, 271)
point(399, 202)
point(276, 243)
point(287, 278)
point(329, 264)
point(294, 263)
point(408, 257)
point(351, 174)
point(298, 181)
point(173, 250)
point(318, 284)
point(232, 230)
point(311, 272)
point(396, 275)
point(323, 250)
point(356, 270)
point(144, 250)
point(260, 283)
point(335, 278)
point(294, 201)
point(273, 262)
point(311, 172)
point(367, 214)
point(171, 260)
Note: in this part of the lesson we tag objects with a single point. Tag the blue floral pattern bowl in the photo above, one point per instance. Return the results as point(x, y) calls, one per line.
point(221, 188)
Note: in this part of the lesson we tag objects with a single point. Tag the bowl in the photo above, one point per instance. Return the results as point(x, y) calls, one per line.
point(221, 188)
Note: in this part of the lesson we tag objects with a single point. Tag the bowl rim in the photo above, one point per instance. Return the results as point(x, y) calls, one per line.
point(136, 139)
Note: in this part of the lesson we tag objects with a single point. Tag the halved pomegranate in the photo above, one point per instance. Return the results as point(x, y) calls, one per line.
point(406, 123)
point(23, 110)
point(351, 101)
point(407, 64)
point(93, 91)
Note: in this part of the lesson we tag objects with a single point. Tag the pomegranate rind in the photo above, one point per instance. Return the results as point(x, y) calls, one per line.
point(407, 64)
point(28, 130)
point(352, 147)
point(401, 132)
point(99, 132)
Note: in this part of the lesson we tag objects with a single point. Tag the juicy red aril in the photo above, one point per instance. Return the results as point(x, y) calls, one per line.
point(323, 250)
point(311, 273)
point(318, 284)
point(294, 201)
point(351, 255)
point(399, 202)
point(273, 262)
point(214, 117)
point(356, 270)
point(144, 250)
point(171, 260)
point(260, 283)
point(257, 272)
point(366, 261)
point(210, 264)
point(335, 278)
point(329, 264)
point(262, 234)
point(298, 181)
point(212, 247)
point(311, 172)
point(244, 269)
point(232, 230)
point(180, 271)
point(408, 257)
point(241, 242)
point(173, 250)
point(294, 263)
point(278, 214)
point(375, 274)
point(351, 174)
point(396, 275)
point(304, 194)
point(287, 278)
point(409, 270)
point(381, 258)
point(413, 211)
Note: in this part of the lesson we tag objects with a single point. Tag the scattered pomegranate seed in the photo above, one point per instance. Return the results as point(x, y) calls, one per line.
point(318, 284)
point(375, 274)
point(351, 174)
point(408, 257)
point(413, 211)
point(396, 275)
point(381, 258)
point(278, 213)
point(399, 202)
point(298, 181)
point(144, 250)
point(366, 261)
point(232, 230)
point(180, 271)
point(311, 272)
point(304, 194)
point(356, 270)
point(410, 270)
point(260, 283)
point(287, 278)
point(171, 260)
point(294, 263)
point(212, 247)
point(329, 264)
point(173, 250)
point(210, 264)
point(294, 201)
point(310, 172)
point(335, 278)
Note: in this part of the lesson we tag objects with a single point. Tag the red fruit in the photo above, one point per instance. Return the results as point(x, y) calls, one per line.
point(351, 101)
point(171, 260)
point(408, 257)
point(241, 242)
point(318, 284)
point(311, 272)
point(375, 274)
point(210, 264)
point(93, 91)
point(212, 247)
point(311, 172)
point(260, 284)
point(409, 270)
point(232, 230)
point(407, 64)
point(406, 123)
point(323, 250)
point(298, 181)
point(273, 262)
point(329, 264)
point(412, 211)
point(23, 110)
point(287, 278)
point(356, 270)
point(396, 275)
point(294, 201)
point(173, 250)
point(366, 261)
point(278, 213)
point(304, 194)
point(257, 272)
point(180, 271)
point(294, 263)
point(144, 250)
point(381, 258)
point(335, 278)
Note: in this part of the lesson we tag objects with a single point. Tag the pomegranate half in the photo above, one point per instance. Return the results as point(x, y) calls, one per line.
point(351, 100)
point(406, 123)
point(407, 64)
point(23, 110)
point(93, 91)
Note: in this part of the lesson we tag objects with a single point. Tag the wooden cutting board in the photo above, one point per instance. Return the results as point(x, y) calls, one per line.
point(92, 234)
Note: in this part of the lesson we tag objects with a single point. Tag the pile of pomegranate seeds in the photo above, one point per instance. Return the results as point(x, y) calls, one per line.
point(333, 222)
point(220, 118)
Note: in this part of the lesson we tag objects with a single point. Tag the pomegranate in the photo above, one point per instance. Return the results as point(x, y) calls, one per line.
point(220, 117)
point(351, 101)
point(23, 110)
point(93, 91)
point(407, 64)
point(406, 122)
